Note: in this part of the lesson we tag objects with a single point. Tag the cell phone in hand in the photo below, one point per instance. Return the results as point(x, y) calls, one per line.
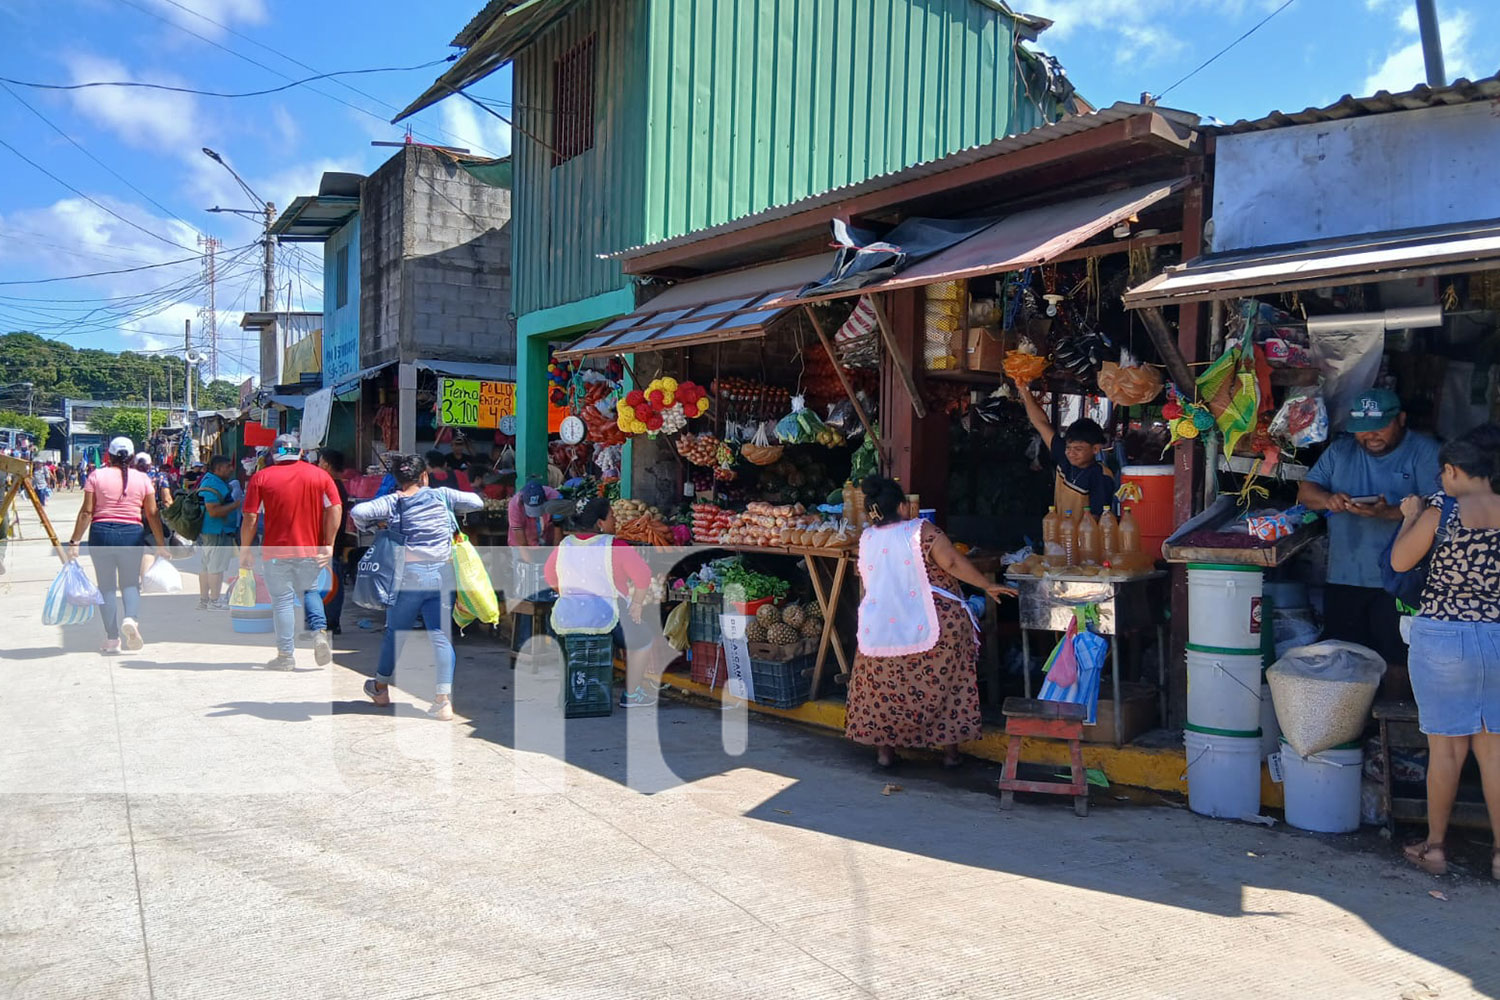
point(1364, 501)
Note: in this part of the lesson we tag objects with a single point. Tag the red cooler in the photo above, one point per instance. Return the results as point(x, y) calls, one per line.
point(1153, 513)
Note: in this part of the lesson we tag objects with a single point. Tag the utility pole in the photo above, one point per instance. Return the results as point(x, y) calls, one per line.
point(187, 391)
point(1432, 43)
point(149, 411)
point(268, 293)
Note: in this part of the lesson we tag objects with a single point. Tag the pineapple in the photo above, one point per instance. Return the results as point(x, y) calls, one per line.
point(794, 615)
point(782, 635)
point(755, 632)
point(768, 615)
point(812, 629)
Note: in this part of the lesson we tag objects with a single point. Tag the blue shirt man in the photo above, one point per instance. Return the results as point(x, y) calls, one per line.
point(1360, 481)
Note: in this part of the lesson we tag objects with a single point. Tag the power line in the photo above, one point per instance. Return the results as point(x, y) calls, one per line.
point(255, 62)
point(1258, 25)
point(97, 274)
point(97, 204)
point(143, 85)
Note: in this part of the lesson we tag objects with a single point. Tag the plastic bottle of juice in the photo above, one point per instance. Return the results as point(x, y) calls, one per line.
point(1051, 541)
point(1109, 536)
point(1130, 534)
point(1067, 537)
point(1089, 543)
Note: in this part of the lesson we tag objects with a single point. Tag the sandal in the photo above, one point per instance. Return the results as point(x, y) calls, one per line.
point(1420, 854)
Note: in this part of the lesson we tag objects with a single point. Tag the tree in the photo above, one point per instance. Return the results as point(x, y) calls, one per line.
point(35, 426)
point(126, 421)
point(59, 371)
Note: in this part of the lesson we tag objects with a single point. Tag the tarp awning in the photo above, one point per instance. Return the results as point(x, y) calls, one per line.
point(1350, 260)
point(738, 305)
point(468, 369)
point(1025, 239)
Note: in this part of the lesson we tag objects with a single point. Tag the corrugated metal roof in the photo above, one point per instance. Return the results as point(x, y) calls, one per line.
point(1351, 260)
point(1072, 125)
point(1461, 91)
point(314, 218)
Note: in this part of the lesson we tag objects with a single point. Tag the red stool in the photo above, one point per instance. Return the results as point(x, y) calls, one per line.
point(1053, 720)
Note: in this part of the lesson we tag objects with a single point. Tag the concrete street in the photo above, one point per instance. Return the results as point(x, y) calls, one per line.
point(180, 823)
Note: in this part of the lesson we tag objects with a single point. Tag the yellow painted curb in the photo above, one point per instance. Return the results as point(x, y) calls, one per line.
point(1161, 769)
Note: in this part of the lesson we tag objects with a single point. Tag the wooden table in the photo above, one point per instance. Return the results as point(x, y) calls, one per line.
point(828, 570)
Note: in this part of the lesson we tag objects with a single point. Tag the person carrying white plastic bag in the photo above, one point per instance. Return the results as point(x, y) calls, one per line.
point(118, 505)
point(161, 578)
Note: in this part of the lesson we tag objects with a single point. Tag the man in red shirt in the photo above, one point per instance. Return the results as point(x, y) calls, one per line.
point(302, 512)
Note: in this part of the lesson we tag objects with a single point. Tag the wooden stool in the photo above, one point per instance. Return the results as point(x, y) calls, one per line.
point(1054, 720)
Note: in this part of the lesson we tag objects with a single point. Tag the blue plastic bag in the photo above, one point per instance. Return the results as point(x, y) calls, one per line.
point(78, 589)
point(379, 572)
point(1088, 650)
point(56, 610)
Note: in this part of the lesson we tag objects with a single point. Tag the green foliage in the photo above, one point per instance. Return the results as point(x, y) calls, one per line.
point(127, 421)
point(35, 426)
point(58, 371)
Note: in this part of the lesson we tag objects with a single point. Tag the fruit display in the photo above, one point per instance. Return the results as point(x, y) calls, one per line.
point(699, 449)
point(782, 634)
point(664, 406)
point(812, 628)
point(793, 615)
point(746, 402)
point(629, 510)
point(803, 426)
point(755, 632)
point(768, 615)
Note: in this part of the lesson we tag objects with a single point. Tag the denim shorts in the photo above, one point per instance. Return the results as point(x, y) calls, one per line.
point(1455, 674)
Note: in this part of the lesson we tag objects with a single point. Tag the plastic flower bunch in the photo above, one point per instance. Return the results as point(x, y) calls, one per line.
point(664, 406)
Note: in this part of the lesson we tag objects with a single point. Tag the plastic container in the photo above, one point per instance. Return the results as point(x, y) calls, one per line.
point(782, 684)
point(1270, 729)
point(1109, 535)
point(255, 620)
point(1322, 791)
point(1223, 688)
point(1090, 542)
point(588, 676)
point(1223, 772)
point(1067, 537)
point(1154, 511)
point(706, 664)
point(1052, 538)
point(1224, 607)
point(703, 620)
point(1130, 535)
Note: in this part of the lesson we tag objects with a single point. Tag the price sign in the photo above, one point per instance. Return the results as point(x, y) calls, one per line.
point(472, 403)
point(458, 403)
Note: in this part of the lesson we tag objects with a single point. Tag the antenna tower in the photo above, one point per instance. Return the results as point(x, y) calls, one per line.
point(207, 317)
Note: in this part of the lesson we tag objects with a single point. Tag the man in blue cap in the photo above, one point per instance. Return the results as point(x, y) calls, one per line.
point(1360, 480)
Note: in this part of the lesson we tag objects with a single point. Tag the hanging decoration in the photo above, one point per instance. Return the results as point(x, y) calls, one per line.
point(664, 406)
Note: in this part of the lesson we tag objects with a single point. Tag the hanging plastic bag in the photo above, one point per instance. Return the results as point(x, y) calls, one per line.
point(475, 598)
point(161, 578)
point(379, 571)
point(1088, 650)
point(1302, 419)
point(676, 626)
point(243, 594)
point(56, 610)
point(78, 588)
point(1064, 662)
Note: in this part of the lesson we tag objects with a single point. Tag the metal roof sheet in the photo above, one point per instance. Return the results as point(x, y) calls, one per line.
point(1351, 260)
point(1071, 125)
point(1460, 91)
point(314, 218)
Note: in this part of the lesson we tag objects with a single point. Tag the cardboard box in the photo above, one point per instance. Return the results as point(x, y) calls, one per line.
point(1138, 716)
point(781, 654)
point(986, 350)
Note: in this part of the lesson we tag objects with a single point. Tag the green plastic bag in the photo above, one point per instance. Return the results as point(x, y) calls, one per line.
point(475, 598)
point(243, 594)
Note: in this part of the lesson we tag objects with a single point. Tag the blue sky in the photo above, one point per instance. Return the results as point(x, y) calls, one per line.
point(155, 176)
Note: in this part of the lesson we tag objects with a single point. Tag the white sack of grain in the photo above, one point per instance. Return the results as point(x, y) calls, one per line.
point(1323, 693)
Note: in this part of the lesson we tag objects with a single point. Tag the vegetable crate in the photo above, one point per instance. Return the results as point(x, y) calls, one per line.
point(707, 664)
point(782, 684)
point(703, 619)
point(588, 676)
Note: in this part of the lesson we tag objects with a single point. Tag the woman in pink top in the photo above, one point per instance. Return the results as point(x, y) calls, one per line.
point(118, 502)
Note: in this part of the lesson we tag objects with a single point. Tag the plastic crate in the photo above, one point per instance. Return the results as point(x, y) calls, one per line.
point(588, 676)
point(781, 684)
point(703, 620)
point(707, 664)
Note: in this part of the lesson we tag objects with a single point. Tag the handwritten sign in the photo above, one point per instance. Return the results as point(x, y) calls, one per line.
point(466, 402)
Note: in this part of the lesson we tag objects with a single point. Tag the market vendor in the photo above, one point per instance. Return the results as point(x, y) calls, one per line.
point(527, 523)
point(594, 574)
point(1081, 478)
point(1360, 480)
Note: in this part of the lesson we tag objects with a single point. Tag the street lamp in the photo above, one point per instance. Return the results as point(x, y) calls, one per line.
point(268, 213)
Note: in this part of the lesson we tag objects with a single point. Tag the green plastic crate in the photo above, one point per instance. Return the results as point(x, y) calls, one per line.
point(588, 676)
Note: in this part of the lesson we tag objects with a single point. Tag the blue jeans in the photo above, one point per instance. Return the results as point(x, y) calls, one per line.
point(115, 549)
point(312, 601)
point(289, 580)
point(426, 589)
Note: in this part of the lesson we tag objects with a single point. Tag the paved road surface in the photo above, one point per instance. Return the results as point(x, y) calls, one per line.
point(180, 823)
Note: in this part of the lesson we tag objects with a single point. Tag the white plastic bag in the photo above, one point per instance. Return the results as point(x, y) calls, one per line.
point(161, 578)
point(1323, 693)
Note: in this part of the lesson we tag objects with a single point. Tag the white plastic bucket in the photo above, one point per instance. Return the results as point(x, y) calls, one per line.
point(1223, 773)
point(1224, 606)
point(1322, 791)
point(1270, 729)
point(1223, 689)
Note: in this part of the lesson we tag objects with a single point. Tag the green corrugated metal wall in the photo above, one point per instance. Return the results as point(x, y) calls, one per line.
point(566, 215)
point(756, 103)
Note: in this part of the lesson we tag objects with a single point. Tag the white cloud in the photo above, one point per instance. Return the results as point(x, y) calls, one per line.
point(1404, 67)
point(1143, 44)
point(147, 118)
point(478, 131)
point(225, 12)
